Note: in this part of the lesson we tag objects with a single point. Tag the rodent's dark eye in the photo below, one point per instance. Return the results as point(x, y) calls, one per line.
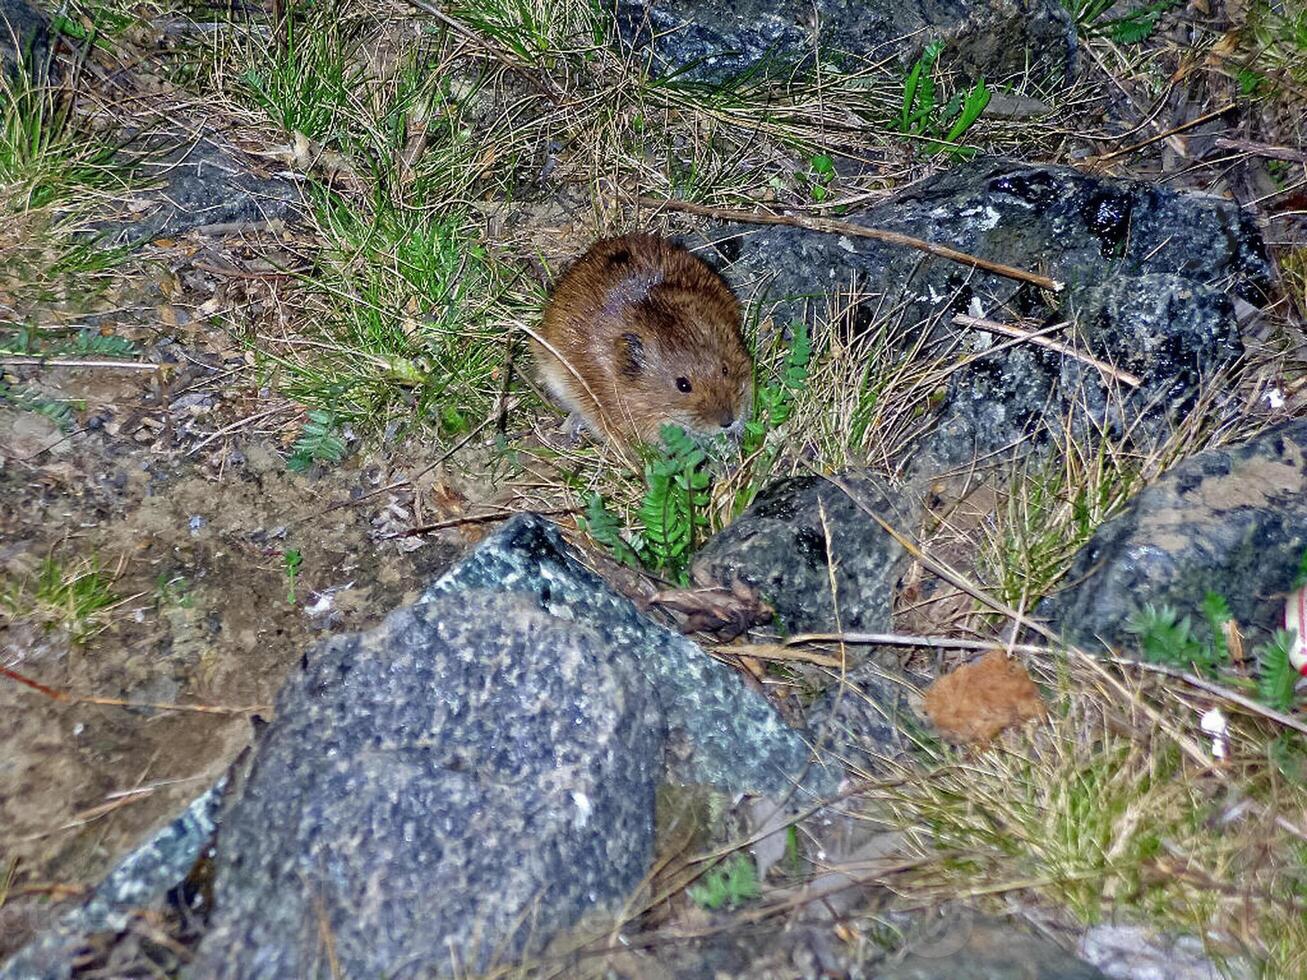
point(683, 384)
point(725, 371)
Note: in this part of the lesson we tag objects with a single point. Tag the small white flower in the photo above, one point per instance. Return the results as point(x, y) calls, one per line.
point(1215, 725)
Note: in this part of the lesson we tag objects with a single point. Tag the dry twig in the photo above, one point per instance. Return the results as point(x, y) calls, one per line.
point(1125, 377)
point(56, 695)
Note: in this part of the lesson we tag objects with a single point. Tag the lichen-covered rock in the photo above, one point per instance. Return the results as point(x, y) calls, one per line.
point(715, 42)
point(1148, 273)
point(1231, 521)
point(778, 546)
point(471, 774)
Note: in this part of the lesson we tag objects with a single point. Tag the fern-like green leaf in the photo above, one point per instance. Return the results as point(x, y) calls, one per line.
point(94, 342)
point(1217, 613)
point(1135, 28)
point(1277, 679)
point(676, 495)
point(602, 525)
point(318, 442)
point(21, 397)
point(1165, 638)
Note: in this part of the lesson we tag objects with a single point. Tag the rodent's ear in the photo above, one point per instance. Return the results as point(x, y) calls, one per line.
point(630, 354)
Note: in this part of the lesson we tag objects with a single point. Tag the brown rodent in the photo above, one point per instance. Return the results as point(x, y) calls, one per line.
point(639, 333)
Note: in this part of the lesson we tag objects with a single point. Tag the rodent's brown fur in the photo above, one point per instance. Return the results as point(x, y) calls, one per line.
point(636, 319)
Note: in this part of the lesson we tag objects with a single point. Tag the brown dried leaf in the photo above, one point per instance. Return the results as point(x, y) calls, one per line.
point(977, 701)
point(728, 612)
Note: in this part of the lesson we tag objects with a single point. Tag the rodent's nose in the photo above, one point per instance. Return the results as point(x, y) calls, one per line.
point(727, 419)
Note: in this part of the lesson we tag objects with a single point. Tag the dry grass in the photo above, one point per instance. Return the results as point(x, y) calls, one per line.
point(1101, 813)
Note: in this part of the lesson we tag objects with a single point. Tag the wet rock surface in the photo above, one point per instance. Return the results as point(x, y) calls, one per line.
point(702, 41)
point(1149, 278)
point(1231, 521)
point(785, 543)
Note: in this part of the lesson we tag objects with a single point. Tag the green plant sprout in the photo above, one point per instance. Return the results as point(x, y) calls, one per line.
point(818, 177)
point(602, 525)
point(674, 509)
point(1139, 24)
point(730, 884)
point(291, 560)
point(919, 115)
point(1277, 679)
point(173, 590)
point(318, 442)
point(773, 401)
point(1169, 639)
point(1130, 28)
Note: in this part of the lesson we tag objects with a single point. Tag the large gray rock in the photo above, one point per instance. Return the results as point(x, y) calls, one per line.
point(472, 773)
point(469, 777)
point(1231, 521)
point(778, 546)
point(475, 774)
point(1149, 276)
point(725, 734)
point(714, 42)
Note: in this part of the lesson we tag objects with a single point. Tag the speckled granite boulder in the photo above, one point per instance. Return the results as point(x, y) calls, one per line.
point(715, 42)
point(1149, 276)
point(474, 774)
point(471, 772)
point(725, 734)
point(778, 546)
point(1233, 521)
